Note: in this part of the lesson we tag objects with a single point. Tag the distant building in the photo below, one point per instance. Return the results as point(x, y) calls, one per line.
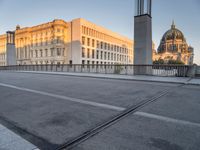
point(75, 42)
point(173, 46)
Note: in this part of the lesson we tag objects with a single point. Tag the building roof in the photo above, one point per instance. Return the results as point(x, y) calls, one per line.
point(173, 34)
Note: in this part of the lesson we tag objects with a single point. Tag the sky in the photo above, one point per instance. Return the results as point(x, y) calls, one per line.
point(116, 15)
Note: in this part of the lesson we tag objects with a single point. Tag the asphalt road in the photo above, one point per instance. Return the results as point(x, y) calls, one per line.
point(50, 110)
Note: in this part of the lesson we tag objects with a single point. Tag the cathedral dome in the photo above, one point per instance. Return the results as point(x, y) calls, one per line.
point(173, 34)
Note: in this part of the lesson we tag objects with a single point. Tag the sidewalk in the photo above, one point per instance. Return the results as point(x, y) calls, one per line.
point(179, 80)
point(10, 141)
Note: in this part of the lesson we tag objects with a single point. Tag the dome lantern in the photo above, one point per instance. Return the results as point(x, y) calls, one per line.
point(173, 26)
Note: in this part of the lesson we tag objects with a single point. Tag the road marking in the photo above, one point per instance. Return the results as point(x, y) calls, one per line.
point(107, 106)
point(167, 119)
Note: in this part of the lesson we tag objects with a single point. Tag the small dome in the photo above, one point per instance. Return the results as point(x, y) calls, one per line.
point(173, 34)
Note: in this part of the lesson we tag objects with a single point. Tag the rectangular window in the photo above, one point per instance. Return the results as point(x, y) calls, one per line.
point(83, 40)
point(101, 45)
point(58, 40)
point(88, 53)
point(83, 62)
point(46, 52)
point(41, 54)
point(98, 45)
point(46, 41)
point(105, 46)
point(101, 55)
point(25, 52)
point(97, 54)
point(63, 52)
point(83, 52)
point(93, 43)
point(108, 46)
point(31, 53)
point(52, 52)
point(88, 41)
point(108, 56)
point(93, 53)
point(58, 51)
point(105, 55)
point(36, 53)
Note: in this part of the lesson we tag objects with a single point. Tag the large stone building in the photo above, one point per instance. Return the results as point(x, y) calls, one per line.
point(173, 46)
point(3, 50)
point(75, 42)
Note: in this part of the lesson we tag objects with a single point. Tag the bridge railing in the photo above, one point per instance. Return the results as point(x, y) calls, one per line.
point(153, 70)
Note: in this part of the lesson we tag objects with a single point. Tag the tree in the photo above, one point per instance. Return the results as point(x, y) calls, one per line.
point(175, 62)
point(159, 62)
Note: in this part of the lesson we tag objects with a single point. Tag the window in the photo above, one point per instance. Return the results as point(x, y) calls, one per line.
point(108, 46)
point(105, 55)
point(46, 52)
point(36, 43)
point(52, 52)
point(88, 53)
point(58, 40)
point(108, 56)
point(83, 62)
point(31, 53)
point(83, 52)
point(101, 45)
point(41, 42)
point(93, 43)
point(98, 44)
point(83, 40)
point(41, 53)
point(93, 53)
point(46, 41)
point(117, 48)
point(97, 56)
point(63, 52)
point(58, 51)
point(101, 55)
point(105, 46)
point(25, 52)
point(88, 41)
point(36, 53)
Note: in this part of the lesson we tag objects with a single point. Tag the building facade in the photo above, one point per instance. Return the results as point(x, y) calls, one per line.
point(3, 50)
point(75, 42)
point(173, 46)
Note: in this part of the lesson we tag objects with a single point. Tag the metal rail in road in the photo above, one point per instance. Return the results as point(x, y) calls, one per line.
point(71, 144)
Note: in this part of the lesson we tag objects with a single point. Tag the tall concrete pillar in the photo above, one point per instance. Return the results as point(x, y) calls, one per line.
point(10, 49)
point(143, 33)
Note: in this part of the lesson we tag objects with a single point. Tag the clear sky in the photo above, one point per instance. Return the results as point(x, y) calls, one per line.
point(116, 15)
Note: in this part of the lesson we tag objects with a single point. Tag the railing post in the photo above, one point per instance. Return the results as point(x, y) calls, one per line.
point(74, 68)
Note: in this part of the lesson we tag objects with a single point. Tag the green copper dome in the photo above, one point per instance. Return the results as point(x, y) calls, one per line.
point(173, 34)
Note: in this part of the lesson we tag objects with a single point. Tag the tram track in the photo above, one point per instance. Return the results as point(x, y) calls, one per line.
point(92, 132)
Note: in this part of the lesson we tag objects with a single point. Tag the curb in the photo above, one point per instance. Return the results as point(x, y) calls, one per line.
point(99, 77)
